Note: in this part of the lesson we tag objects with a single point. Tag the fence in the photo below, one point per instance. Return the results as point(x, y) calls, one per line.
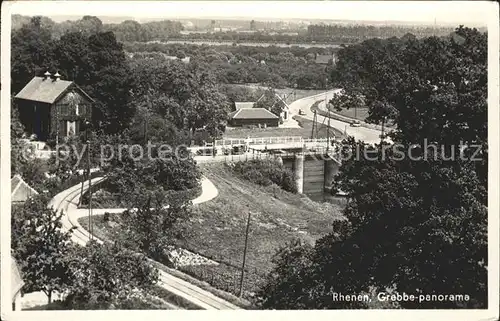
point(235, 158)
point(269, 140)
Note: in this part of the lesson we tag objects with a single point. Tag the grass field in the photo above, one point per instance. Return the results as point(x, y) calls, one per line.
point(218, 227)
point(360, 113)
point(305, 131)
point(299, 93)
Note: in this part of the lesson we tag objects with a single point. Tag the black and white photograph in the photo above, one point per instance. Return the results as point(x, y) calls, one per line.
point(270, 155)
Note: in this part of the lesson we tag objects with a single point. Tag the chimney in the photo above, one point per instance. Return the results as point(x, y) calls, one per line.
point(57, 76)
point(47, 75)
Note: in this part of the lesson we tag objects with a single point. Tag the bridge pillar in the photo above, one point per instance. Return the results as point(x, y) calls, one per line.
point(299, 173)
point(331, 169)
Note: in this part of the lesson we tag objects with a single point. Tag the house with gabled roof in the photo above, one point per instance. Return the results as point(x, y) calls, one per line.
point(53, 108)
point(260, 117)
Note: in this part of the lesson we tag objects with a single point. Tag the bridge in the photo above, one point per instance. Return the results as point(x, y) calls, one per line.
point(268, 143)
point(315, 162)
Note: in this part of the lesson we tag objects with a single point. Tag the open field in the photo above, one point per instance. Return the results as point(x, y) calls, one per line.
point(217, 228)
point(296, 93)
point(305, 131)
point(248, 43)
point(360, 114)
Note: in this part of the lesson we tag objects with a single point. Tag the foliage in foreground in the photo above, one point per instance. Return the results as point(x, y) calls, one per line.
point(95, 276)
point(416, 225)
point(41, 247)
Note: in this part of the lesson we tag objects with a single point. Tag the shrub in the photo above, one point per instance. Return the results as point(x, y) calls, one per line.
point(226, 278)
point(266, 173)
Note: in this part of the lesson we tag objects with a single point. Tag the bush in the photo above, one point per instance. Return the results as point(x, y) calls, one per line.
point(226, 278)
point(266, 173)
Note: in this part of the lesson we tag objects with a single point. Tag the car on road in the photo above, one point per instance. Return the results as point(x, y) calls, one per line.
point(301, 112)
point(355, 123)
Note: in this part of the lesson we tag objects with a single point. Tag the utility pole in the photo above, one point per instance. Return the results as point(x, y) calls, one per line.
point(83, 172)
point(382, 134)
point(146, 128)
point(328, 129)
point(90, 182)
point(314, 124)
point(244, 255)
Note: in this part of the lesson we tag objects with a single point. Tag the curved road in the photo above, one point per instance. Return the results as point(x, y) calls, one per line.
point(67, 202)
point(359, 133)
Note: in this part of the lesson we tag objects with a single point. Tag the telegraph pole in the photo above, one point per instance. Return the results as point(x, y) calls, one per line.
point(314, 124)
point(244, 255)
point(90, 182)
point(328, 129)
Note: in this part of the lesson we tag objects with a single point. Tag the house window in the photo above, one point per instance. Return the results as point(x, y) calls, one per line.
point(71, 128)
point(77, 110)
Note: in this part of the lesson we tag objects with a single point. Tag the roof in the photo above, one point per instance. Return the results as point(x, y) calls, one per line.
point(46, 90)
point(16, 282)
point(20, 190)
point(43, 90)
point(253, 113)
point(246, 104)
point(323, 59)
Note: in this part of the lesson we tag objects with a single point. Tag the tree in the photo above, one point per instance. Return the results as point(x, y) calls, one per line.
point(284, 285)
point(104, 275)
point(31, 52)
point(271, 102)
point(16, 133)
point(186, 94)
point(41, 247)
point(152, 220)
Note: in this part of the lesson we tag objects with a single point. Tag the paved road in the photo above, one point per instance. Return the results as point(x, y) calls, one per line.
point(67, 201)
point(359, 133)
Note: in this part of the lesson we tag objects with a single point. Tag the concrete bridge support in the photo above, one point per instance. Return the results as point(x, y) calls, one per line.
point(314, 174)
point(331, 169)
point(299, 172)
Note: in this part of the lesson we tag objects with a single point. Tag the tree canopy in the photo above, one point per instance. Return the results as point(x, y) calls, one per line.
point(416, 219)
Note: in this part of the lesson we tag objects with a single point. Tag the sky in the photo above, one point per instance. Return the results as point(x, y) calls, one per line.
point(441, 12)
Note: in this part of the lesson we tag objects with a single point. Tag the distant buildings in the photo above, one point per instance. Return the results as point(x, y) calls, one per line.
point(53, 108)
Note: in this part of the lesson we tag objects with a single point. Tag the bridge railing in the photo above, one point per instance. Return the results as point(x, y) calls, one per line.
point(270, 140)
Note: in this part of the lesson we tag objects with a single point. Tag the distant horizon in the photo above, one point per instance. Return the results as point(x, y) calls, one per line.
point(117, 19)
point(418, 13)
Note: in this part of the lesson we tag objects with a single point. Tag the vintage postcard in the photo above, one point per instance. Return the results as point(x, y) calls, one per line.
point(319, 159)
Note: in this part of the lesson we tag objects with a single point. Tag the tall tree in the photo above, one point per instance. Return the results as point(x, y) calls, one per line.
point(32, 52)
point(187, 95)
point(41, 247)
point(417, 215)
